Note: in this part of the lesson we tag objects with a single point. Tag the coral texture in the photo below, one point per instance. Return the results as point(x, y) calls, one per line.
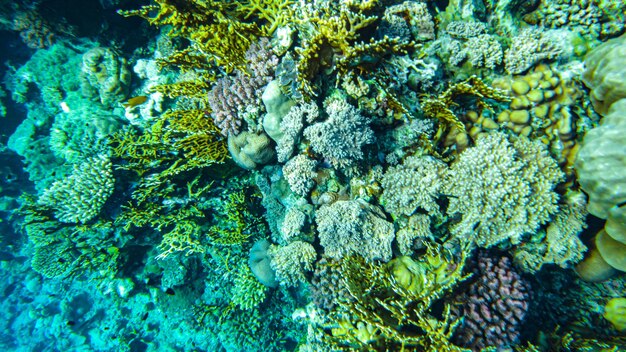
point(494, 306)
point(413, 186)
point(605, 74)
point(560, 245)
point(237, 98)
point(502, 189)
point(354, 227)
point(291, 262)
point(340, 138)
point(328, 284)
point(299, 173)
point(532, 45)
point(601, 162)
point(79, 197)
point(105, 76)
point(291, 128)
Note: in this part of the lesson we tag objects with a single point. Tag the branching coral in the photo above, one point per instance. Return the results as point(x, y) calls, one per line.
point(502, 188)
point(291, 262)
point(531, 46)
point(494, 306)
point(234, 100)
point(80, 197)
point(413, 186)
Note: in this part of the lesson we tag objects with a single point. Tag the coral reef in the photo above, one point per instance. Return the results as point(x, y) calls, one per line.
point(531, 46)
point(105, 76)
point(291, 262)
point(413, 186)
point(235, 99)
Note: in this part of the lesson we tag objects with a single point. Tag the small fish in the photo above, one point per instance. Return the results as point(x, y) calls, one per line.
point(169, 291)
point(71, 323)
point(134, 101)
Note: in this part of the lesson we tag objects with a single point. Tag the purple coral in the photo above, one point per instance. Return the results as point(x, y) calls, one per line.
point(234, 98)
point(493, 307)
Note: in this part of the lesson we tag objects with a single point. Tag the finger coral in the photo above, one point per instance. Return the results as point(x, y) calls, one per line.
point(494, 306)
point(80, 197)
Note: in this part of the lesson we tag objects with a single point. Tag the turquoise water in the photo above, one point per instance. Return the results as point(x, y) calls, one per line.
point(328, 175)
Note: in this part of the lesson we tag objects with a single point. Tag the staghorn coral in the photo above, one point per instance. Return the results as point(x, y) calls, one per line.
point(291, 262)
point(494, 306)
point(502, 189)
point(341, 136)
point(236, 99)
point(533, 45)
point(413, 186)
point(347, 227)
point(80, 197)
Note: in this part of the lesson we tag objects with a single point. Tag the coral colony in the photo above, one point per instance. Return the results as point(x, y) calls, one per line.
point(313, 175)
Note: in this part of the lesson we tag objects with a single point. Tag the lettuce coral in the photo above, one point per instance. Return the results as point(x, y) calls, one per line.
point(502, 188)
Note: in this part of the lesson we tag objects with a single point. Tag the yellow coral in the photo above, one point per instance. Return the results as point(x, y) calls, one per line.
point(389, 307)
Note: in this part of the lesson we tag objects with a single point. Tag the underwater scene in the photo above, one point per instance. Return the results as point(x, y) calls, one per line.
point(313, 175)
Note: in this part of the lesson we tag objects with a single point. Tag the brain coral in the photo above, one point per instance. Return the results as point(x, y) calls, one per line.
point(502, 188)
